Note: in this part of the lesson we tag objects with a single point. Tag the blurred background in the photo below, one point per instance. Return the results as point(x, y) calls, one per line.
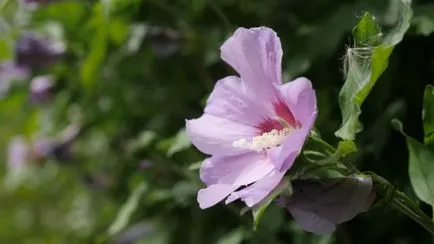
point(94, 97)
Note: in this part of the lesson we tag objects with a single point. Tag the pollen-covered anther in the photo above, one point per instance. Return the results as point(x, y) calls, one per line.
point(264, 141)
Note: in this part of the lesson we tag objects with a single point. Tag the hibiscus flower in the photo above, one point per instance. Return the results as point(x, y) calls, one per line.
point(253, 126)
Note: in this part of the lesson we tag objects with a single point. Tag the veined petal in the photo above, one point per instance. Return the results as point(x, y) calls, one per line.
point(301, 99)
point(284, 156)
point(254, 193)
point(228, 101)
point(235, 170)
point(213, 194)
point(256, 54)
point(215, 135)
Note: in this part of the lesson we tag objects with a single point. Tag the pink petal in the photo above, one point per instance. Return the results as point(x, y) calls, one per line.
point(301, 99)
point(228, 101)
point(284, 156)
point(256, 54)
point(256, 192)
point(215, 135)
point(235, 170)
point(17, 153)
point(213, 194)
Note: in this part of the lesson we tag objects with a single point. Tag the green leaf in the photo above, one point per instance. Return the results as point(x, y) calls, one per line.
point(180, 143)
point(127, 209)
point(91, 66)
point(234, 237)
point(428, 116)
point(195, 166)
point(184, 191)
point(93, 62)
point(259, 209)
point(365, 62)
point(421, 167)
point(423, 19)
point(367, 32)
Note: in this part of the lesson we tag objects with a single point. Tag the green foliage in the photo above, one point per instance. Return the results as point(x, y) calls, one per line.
point(423, 19)
point(132, 73)
point(127, 209)
point(365, 62)
point(421, 167)
point(428, 116)
point(259, 209)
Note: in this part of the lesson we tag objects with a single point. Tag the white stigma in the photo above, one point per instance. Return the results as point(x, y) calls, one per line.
point(264, 141)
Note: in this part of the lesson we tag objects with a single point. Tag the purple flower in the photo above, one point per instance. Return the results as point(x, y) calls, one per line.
point(39, 1)
point(18, 152)
point(145, 164)
point(33, 51)
point(9, 72)
point(253, 126)
point(40, 88)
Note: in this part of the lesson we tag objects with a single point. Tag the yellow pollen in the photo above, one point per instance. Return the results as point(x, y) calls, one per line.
point(264, 141)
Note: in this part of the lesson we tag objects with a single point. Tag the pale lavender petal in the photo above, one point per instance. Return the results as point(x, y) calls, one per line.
point(40, 88)
point(213, 194)
point(17, 153)
point(301, 99)
point(228, 101)
point(10, 73)
point(256, 54)
point(254, 193)
point(215, 135)
point(236, 170)
point(284, 156)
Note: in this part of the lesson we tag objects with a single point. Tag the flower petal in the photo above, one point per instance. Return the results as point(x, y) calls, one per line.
point(215, 135)
point(284, 156)
point(256, 54)
point(311, 222)
point(236, 170)
point(213, 194)
point(301, 99)
point(318, 205)
point(17, 153)
point(228, 101)
point(254, 193)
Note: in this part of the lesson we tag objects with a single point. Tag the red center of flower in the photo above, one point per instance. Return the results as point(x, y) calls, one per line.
point(284, 113)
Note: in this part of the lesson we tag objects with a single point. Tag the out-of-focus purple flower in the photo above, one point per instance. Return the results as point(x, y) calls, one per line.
point(145, 164)
point(41, 149)
point(41, 88)
point(134, 233)
point(254, 126)
point(319, 205)
point(100, 181)
point(35, 52)
point(10, 72)
point(163, 41)
point(18, 153)
point(39, 2)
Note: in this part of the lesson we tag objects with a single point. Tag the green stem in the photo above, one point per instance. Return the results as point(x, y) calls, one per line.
point(403, 203)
